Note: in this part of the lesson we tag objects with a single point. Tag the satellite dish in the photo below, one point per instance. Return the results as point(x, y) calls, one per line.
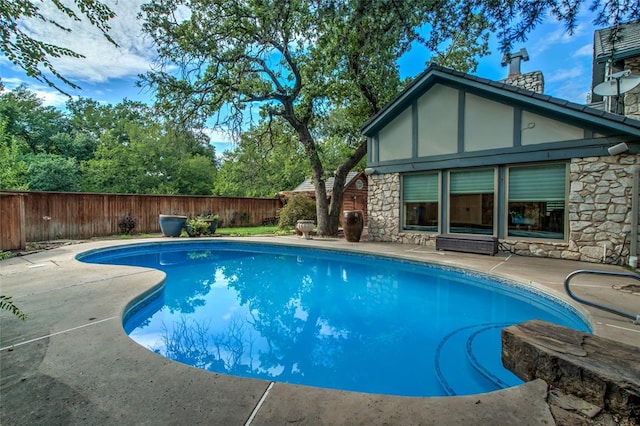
point(619, 83)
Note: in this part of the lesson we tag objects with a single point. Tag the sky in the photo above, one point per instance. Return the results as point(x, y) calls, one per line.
point(108, 74)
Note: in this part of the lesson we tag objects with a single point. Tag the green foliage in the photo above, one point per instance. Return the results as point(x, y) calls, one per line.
point(263, 163)
point(4, 254)
point(29, 122)
point(7, 304)
point(299, 207)
point(33, 55)
point(465, 47)
point(148, 157)
point(196, 227)
point(299, 62)
point(12, 168)
point(125, 148)
point(208, 216)
point(49, 172)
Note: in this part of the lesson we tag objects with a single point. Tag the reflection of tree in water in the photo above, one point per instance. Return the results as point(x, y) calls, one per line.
point(315, 320)
point(192, 343)
point(191, 282)
point(298, 307)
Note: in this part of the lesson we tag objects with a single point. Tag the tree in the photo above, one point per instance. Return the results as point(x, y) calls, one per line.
point(263, 163)
point(12, 168)
point(31, 54)
point(29, 121)
point(50, 172)
point(299, 60)
point(148, 157)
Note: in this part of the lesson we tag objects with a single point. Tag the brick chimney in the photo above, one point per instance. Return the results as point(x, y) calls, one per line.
point(533, 81)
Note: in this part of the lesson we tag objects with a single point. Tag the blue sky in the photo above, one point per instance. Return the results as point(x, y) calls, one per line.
point(109, 74)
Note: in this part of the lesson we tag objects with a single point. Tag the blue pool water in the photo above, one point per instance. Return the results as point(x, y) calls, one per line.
point(329, 319)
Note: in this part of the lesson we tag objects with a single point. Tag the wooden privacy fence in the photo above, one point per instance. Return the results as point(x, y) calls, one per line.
point(41, 216)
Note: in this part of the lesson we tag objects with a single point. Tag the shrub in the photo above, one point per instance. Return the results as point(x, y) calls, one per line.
point(127, 225)
point(196, 227)
point(298, 207)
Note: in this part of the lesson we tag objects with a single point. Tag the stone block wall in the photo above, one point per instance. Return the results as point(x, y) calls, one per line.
point(533, 81)
point(599, 213)
point(600, 207)
point(383, 207)
point(384, 213)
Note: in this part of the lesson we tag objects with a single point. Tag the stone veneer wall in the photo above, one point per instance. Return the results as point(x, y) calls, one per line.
point(599, 213)
point(600, 207)
point(533, 81)
point(384, 213)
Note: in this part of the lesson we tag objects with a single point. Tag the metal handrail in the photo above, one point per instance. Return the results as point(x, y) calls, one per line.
point(634, 317)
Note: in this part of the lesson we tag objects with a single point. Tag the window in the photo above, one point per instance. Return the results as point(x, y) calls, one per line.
point(471, 201)
point(536, 201)
point(420, 201)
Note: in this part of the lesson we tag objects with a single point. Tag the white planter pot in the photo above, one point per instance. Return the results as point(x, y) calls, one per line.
point(306, 227)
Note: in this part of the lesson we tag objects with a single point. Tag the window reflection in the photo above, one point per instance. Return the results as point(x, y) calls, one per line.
point(471, 201)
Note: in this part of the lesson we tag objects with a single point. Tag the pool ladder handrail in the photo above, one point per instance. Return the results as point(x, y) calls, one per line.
point(634, 317)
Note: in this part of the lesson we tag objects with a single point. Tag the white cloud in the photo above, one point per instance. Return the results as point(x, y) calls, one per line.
point(571, 84)
point(49, 96)
point(566, 74)
point(103, 61)
point(219, 135)
point(549, 39)
point(586, 50)
point(12, 82)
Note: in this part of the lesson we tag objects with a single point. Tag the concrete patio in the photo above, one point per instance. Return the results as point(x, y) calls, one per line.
point(71, 362)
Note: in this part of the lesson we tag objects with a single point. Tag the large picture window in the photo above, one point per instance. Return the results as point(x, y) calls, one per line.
point(471, 201)
point(420, 201)
point(536, 201)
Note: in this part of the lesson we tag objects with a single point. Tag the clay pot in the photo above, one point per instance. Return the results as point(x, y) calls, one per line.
point(352, 224)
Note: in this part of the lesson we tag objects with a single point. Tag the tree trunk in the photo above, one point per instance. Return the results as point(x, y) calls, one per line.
point(317, 172)
point(328, 214)
point(338, 186)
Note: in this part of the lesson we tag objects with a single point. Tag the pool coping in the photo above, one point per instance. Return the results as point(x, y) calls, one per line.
point(76, 365)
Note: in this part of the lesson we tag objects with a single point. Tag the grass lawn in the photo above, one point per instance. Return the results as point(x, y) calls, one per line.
point(252, 231)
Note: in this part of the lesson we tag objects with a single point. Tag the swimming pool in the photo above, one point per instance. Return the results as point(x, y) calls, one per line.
point(329, 319)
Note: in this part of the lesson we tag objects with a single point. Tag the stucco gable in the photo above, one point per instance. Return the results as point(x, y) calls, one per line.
point(559, 109)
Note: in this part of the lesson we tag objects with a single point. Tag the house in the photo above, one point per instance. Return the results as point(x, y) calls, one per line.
point(460, 155)
point(354, 195)
point(617, 49)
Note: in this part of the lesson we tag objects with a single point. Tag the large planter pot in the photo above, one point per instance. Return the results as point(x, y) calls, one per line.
point(171, 225)
point(352, 224)
point(213, 225)
point(305, 227)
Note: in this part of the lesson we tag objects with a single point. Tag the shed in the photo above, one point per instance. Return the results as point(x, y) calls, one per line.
point(354, 195)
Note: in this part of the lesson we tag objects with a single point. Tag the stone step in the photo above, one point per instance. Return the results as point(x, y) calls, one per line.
point(601, 371)
point(483, 354)
point(455, 373)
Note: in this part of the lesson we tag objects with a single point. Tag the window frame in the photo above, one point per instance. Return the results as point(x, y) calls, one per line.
point(403, 203)
point(506, 216)
point(495, 210)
